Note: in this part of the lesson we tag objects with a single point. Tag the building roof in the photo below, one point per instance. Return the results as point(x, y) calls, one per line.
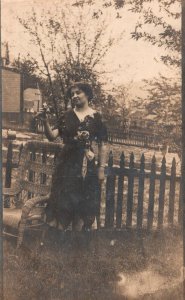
point(11, 69)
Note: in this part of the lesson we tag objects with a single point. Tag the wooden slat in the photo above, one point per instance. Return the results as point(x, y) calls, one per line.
point(120, 192)
point(180, 212)
point(47, 146)
point(34, 188)
point(172, 193)
point(130, 192)
point(162, 194)
point(141, 193)
point(31, 176)
point(151, 194)
point(98, 197)
point(20, 151)
point(147, 173)
point(110, 189)
point(39, 167)
point(8, 174)
point(14, 165)
point(43, 175)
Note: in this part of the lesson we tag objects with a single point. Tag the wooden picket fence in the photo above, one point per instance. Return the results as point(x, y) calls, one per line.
point(131, 196)
point(142, 198)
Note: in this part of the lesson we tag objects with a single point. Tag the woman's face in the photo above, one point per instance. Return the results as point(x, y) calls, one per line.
point(78, 97)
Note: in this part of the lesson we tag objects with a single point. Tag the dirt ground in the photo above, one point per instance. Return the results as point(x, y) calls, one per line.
point(96, 266)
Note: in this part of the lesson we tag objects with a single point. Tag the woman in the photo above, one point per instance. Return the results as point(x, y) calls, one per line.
point(74, 185)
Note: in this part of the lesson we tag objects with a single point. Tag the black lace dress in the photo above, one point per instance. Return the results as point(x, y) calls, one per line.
point(74, 191)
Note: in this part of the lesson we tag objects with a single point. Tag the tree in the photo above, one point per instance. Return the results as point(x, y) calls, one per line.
point(115, 106)
point(163, 102)
point(164, 94)
point(67, 50)
point(163, 19)
point(162, 15)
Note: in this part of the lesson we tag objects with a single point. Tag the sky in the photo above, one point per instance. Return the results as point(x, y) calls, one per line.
point(127, 61)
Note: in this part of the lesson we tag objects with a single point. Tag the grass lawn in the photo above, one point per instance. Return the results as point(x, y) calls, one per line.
point(105, 266)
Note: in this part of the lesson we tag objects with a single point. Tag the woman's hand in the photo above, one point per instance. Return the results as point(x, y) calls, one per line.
point(42, 115)
point(101, 173)
point(43, 111)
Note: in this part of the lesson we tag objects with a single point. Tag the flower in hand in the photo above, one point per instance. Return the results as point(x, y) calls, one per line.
point(43, 111)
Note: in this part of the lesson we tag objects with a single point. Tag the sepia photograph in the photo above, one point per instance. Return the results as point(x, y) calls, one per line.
point(93, 149)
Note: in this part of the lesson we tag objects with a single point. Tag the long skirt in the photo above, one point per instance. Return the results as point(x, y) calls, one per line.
point(71, 194)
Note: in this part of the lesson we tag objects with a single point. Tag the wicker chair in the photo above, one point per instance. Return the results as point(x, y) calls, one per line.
point(30, 193)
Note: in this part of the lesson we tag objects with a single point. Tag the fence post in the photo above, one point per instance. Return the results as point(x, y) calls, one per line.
point(43, 176)
point(8, 175)
point(120, 192)
point(130, 191)
point(141, 193)
point(162, 193)
point(180, 212)
point(151, 194)
point(11, 135)
point(110, 188)
point(32, 173)
point(99, 197)
point(146, 142)
point(172, 192)
point(20, 151)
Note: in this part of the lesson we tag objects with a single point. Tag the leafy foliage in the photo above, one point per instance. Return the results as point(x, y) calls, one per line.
point(161, 15)
point(163, 102)
point(164, 94)
point(66, 50)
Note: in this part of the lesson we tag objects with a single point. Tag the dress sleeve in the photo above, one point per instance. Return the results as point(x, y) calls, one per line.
point(101, 130)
